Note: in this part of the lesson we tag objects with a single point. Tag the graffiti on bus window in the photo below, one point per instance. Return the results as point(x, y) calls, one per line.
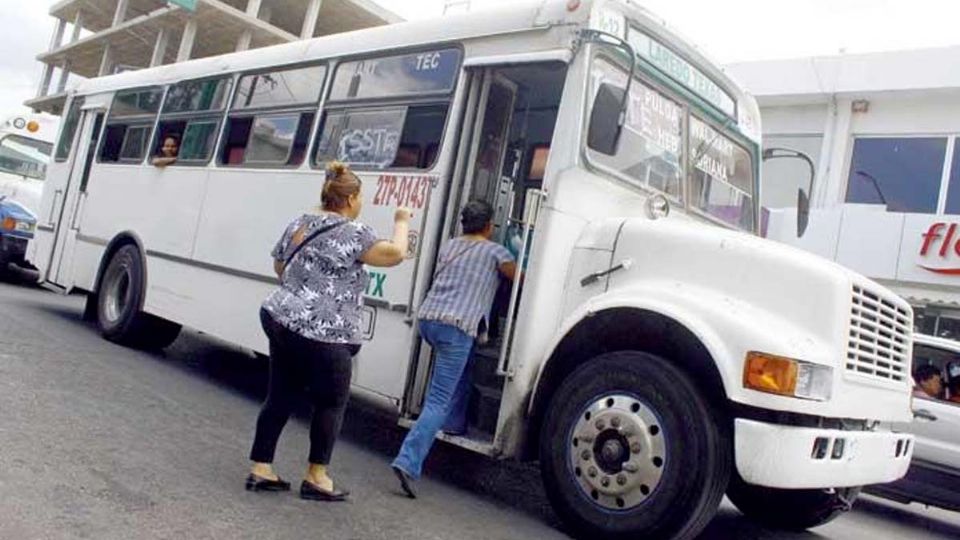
point(371, 146)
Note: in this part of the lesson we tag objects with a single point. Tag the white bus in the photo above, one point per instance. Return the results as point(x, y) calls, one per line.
point(658, 353)
point(26, 145)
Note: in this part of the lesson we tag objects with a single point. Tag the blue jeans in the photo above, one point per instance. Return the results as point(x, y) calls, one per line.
point(446, 396)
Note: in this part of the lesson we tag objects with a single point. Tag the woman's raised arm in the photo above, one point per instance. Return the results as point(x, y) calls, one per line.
point(391, 252)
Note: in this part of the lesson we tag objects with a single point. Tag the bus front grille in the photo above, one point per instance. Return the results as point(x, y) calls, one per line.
point(879, 346)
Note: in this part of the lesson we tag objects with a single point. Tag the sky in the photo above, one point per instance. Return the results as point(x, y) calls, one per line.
point(728, 30)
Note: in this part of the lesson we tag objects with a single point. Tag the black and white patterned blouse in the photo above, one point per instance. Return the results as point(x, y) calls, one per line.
point(322, 287)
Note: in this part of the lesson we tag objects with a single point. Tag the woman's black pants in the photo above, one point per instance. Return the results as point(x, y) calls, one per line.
point(299, 366)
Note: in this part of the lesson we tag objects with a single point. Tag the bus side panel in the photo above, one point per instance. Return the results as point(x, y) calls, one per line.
point(86, 260)
point(245, 212)
point(220, 304)
point(162, 206)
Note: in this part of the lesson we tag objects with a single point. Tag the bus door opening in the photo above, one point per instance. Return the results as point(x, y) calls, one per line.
point(509, 143)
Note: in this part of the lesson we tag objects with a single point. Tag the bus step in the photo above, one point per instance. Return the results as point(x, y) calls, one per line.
point(484, 369)
point(485, 407)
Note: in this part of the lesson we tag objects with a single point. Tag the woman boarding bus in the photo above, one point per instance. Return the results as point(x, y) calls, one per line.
point(660, 354)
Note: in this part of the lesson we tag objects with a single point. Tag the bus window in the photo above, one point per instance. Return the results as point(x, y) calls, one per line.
point(650, 144)
point(69, 130)
point(722, 178)
point(191, 113)
point(386, 130)
point(279, 139)
point(134, 143)
point(397, 76)
point(129, 125)
point(381, 138)
point(24, 157)
point(271, 117)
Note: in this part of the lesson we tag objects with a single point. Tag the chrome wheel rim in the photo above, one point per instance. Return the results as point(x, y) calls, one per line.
point(617, 452)
point(116, 293)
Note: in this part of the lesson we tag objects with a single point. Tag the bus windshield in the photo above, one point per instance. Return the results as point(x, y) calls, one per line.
point(24, 157)
point(718, 172)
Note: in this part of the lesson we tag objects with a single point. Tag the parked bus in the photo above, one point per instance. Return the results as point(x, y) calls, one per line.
point(26, 142)
point(657, 354)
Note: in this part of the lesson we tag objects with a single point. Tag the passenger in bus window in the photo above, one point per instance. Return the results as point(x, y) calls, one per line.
point(312, 321)
point(452, 317)
point(168, 152)
point(928, 381)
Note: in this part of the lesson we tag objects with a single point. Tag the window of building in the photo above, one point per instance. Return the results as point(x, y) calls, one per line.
point(904, 173)
point(272, 116)
point(69, 131)
point(191, 114)
point(400, 122)
point(953, 190)
point(131, 120)
point(782, 178)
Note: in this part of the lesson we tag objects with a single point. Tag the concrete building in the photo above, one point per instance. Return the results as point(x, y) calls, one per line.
point(99, 37)
point(883, 129)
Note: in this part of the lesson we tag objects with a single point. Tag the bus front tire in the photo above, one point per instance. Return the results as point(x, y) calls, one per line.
point(790, 509)
point(630, 448)
point(119, 299)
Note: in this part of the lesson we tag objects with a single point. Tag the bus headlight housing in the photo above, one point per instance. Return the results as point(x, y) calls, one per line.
point(787, 376)
point(19, 225)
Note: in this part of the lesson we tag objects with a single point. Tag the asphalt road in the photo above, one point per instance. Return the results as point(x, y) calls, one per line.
point(103, 442)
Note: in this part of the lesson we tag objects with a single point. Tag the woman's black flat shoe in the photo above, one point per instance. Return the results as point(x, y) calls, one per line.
point(256, 483)
point(311, 492)
point(405, 481)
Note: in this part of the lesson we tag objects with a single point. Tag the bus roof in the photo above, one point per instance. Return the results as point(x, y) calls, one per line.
point(524, 17)
point(527, 16)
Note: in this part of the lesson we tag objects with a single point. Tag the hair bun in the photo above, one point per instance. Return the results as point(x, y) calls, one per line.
point(335, 169)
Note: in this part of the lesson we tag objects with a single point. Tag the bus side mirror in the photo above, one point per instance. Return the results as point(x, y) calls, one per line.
point(803, 212)
point(603, 133)
point(803, 196)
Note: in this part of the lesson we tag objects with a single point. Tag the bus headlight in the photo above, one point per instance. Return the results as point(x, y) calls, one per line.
point(13, 224)
point(787, 377)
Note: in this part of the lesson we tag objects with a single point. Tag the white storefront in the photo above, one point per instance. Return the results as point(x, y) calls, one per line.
point(882, 129)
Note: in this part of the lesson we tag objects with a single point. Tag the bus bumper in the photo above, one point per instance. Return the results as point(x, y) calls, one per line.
point(791, 457)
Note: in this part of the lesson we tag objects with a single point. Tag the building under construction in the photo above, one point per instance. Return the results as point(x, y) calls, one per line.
point(93, 38)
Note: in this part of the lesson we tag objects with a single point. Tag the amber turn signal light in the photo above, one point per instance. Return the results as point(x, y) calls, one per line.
point(768, 373)
point(9, 223)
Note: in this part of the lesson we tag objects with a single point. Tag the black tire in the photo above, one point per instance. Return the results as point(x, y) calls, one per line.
point(790, 509)
point(696, 444)
point(119, 301)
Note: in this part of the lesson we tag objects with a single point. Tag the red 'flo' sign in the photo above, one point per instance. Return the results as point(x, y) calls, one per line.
point(938, 242)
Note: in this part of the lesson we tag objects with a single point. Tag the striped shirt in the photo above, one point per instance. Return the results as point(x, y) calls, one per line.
point(464, 284)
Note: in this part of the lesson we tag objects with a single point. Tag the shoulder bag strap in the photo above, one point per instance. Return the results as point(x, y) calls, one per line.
point(449, 261)
point(307, 240)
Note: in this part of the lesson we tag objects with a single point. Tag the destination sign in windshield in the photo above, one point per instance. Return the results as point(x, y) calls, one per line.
point(680, 70)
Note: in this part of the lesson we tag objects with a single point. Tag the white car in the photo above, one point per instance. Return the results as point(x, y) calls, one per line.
point(934, 475)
